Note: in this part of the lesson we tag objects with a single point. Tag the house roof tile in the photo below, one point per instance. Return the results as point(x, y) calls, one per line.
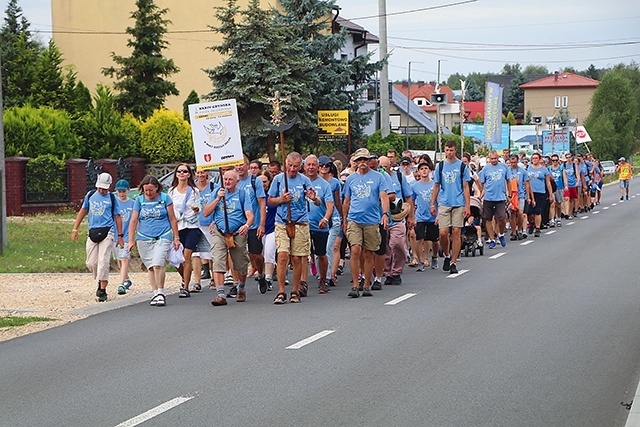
point(563, 80)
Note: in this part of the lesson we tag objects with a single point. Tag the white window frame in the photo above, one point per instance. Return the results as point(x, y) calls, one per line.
point(556, 103)
point(565, 101)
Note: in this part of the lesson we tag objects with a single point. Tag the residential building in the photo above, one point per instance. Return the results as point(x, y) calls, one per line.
point(561, 94)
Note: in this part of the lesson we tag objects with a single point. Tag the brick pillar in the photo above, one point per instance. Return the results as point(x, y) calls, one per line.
point(137, 170)
point(111, 167)
point(77, 180)
point(15, 169)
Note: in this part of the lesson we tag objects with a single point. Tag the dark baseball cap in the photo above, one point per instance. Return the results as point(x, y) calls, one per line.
point(405, 160)
point(324, 160)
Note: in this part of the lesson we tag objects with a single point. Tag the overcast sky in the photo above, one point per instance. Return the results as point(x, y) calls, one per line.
point(480, 35)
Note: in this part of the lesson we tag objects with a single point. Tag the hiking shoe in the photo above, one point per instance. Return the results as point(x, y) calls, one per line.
point(98, 290)
point(627, 197)
point(269, 285)
point(233, 292)
point(127, 283)
point(513, 237)
point(220, 300)
point(366, 292)
point(397, 280)
point(122, 289)
point(340, 270)
point(331, 283)
point(492, 244)
point(558, 223)
point(530, 229)
point(206, 275)
point(434, 263)
point(102, 295)
point(503, 242)
point(184, 293)
point(621, 198)
point(354, 292)
point(323, 287)
point(552, 224)
point(377, 285)
point(446, 266)
point(537, 233)
point(242, 296)
point(388, 281)
point(263, 285)
point(420, 267)
point(303, 289)
point(453, 269)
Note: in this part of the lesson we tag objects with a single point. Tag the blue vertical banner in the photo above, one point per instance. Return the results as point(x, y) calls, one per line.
point(493, 114)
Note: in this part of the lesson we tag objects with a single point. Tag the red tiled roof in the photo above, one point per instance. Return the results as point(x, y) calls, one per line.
point(471, 109)
point(561, 80)
point(424, 90)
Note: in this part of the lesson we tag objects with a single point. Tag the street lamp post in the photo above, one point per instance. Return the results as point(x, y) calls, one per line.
point(462, 87)
point(406, 130)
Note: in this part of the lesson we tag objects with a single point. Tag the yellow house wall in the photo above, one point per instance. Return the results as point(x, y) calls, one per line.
point(541, 102)
point(89, 53)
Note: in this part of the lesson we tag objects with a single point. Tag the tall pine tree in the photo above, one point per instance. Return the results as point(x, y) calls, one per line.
point(141, 78)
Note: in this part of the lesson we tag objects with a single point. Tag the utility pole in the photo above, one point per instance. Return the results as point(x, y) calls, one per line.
point(438, 112)
point(406, 131)
point(462, 87)
point(3, 186)
point(385, 127)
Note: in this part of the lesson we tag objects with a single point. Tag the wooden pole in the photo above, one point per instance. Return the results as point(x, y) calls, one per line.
point(286, 180)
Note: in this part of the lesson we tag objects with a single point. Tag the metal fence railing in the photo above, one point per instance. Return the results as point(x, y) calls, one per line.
point(52, 188)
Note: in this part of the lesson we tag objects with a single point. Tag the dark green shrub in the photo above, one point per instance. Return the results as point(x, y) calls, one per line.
point(166, 138)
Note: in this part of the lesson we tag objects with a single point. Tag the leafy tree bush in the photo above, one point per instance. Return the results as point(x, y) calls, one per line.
point(46, 178)
point(107, 133)
point(166, 138)
point(193, 98)
point(33, 131)
point(375, 143)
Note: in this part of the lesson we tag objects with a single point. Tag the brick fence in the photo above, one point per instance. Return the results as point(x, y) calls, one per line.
point(15, 168)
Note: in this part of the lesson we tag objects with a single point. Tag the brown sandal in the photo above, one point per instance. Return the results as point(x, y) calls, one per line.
point(294, 298)
point(281, 298)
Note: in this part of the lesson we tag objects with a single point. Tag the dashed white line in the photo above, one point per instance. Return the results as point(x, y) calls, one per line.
point(596, 212)
point(528, 242)
point(154, 412)
point(498, 255)
point(550, 232)
point(584, 217)
point(400, 299)
point(311, 339)
point(613, 204)
point(571, 223)
point(459, 273)
point(605, 208)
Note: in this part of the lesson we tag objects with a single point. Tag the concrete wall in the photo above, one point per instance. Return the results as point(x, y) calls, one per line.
point(541, 101)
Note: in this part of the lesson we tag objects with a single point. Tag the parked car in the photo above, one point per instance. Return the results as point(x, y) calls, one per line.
point(608, 167)
point(167, 179)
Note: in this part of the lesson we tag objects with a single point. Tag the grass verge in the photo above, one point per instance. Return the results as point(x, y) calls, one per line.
point(11, 321)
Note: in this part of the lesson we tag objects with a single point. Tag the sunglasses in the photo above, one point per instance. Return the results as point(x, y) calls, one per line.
point(362, 159)
point(325, 166)
point(182, 171)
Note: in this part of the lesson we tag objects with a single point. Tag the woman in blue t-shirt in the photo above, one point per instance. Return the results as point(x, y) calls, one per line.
point(269, 238)
point(154, 226)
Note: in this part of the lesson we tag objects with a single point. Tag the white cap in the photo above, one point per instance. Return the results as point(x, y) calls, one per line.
point(104, 181)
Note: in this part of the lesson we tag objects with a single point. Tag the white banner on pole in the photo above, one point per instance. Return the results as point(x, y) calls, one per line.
point(215, 130)
point(581, 135)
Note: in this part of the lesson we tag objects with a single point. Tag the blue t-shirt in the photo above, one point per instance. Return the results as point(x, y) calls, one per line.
point(153, 218)
point(125, 209)
point(556, 175)
point(451, 193)
point(572, 180)
point(254, 196)
point(297, 188)
point(364, 192)
point(584, 172)
point(538, 178)
point(207, 194)
point(99, 210)
point(421, 193)
point(237, 205)
point(494, 178)
point(335, 185)
point(521, 176)
point(316, 213)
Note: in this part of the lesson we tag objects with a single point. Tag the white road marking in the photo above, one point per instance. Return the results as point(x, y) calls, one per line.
point(550, 232)
point(154, 412)
point(528, 242)
point(596, 212)
point(498, 255)
point(613, 204)
point(400, 299)
point(311, 339)
point(571, 223)
point(460, 272)
point(584, 217)
point(605, 208)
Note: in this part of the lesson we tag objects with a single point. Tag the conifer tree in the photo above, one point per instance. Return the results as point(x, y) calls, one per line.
point(141, 78)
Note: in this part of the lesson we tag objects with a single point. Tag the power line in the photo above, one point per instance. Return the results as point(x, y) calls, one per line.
point(422, 9)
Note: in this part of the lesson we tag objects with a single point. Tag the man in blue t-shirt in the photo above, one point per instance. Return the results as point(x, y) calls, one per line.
point(320, 212)
point(451, 192)
point(519, 183)
point(233, 217)
point(290, 191)
point(99, 205)
point(493, 182)
point(365, 207)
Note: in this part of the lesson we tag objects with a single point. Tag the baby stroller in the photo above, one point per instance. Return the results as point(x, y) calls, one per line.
point(470, 243)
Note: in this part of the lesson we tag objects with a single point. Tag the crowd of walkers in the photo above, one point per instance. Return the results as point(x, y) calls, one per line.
point(299, 223)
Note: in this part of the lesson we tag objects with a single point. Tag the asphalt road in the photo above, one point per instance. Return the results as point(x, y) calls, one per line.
point(544, 335)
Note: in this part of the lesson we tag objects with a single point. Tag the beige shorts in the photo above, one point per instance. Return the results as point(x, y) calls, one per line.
point(365, 235)
point(300, 245)
point(449, 216)
point(239, 254)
